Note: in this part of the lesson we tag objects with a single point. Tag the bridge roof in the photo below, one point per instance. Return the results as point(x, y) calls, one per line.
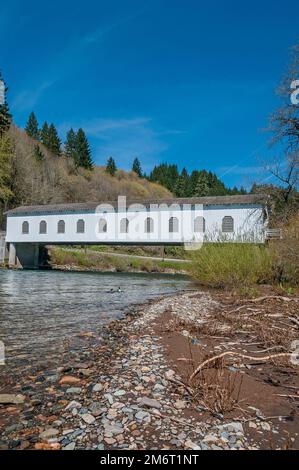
point(91, 206)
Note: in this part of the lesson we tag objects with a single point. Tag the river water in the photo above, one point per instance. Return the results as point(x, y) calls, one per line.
point(40, 310)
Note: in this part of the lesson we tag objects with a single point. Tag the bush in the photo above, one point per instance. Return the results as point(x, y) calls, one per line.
point(285, 254)
point(231, 265)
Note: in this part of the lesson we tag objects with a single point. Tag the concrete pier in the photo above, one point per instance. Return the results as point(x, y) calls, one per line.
point(24, 255)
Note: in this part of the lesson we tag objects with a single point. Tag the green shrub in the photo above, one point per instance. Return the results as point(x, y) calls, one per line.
point(231, 265)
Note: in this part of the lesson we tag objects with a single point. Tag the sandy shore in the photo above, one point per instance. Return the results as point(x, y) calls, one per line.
point(129, 386)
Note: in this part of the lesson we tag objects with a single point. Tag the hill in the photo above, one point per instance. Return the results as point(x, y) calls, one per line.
point(37, 176)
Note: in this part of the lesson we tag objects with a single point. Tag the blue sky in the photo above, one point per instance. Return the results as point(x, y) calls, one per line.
point(188, 82)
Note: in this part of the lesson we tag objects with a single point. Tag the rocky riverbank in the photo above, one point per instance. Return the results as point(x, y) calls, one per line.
point(129, 386)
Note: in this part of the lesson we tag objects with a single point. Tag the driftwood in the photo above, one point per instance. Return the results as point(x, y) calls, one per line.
point(275, 297)
point(233, 353)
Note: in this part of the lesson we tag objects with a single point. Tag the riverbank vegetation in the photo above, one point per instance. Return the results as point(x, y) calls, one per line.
point(90, 260)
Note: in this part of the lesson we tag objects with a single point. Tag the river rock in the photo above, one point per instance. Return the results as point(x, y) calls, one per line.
point(149, 402)
point(69, 380)
point(49, 433)
point(8, 399)
point(88, 418)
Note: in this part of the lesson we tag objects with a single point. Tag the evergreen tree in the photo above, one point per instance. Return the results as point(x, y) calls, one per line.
point(166, 175)
point(181, 186)
point(44, 135)
point(111, 166)
point(202, 186)
point(83, 151)
point(5, 116)
point(71, 146)
point(38, 154)
point(6, 168)
point(136, 167)
point(32, 127)
point(54, 144)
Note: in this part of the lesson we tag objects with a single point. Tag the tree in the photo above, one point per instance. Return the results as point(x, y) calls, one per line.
point(284, 126)
point(202, 186)
point(38, 154)
point(181, 186)
point(5, 116)
point(111, 166)
point(6, 169)
point(32, 127)
point(136, 167)
point(44, 135)
point(70, 149)
point(83, 151)
point(54, 144)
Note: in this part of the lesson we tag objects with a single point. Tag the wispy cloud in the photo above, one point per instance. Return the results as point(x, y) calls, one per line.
point(240, 170)
point(124, 139)
point(27, 99)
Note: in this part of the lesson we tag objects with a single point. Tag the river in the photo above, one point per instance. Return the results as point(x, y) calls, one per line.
point(42, 310)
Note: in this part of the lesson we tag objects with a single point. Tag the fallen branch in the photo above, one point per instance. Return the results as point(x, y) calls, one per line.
point(287, 396)
point(234, 353)
point(275, 297)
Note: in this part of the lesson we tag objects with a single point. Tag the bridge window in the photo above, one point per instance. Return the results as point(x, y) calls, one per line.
point(102, 226)
point(124, 226)
point(25, 227)
point(227, 224)
point(61, 226)
point(80, 226)
point(173, 225)
point(149, 225)
point(199, 224)
point(43, 227)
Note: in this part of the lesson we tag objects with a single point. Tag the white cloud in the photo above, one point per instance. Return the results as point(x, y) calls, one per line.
point(27, 99)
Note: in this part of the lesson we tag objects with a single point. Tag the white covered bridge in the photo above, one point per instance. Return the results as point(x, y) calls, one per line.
point(177, 221)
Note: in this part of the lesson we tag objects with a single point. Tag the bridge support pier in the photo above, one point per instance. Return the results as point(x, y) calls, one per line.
point(23, 255)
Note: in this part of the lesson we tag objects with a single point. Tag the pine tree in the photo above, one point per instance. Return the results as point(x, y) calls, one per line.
point(136, 167)
point(54, 144)
point(83, 150)
point(70, 149)
point(111, 166)
point(44, 135)
point(38, 154)
point(202, 187)
point(181, 186)
point(6, 168)
point(5, 116)
point(32, 127)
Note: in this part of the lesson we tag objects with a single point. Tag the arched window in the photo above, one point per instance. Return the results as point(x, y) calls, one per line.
point(102, 226)
point(80, 226)
point(199, 224)
point(149, 225)
point(227, 224)
point(61, 226)
point(43, 227)
point(25, 227)
point(124, 226)
point(173, 225)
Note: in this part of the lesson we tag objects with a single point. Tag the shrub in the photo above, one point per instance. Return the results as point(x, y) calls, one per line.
point(231, 265)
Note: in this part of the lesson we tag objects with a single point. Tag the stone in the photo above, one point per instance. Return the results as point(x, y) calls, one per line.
point(141, 415)
point(265, 426)
point(97, 388)
point(43, 446)
point(234, 427)
point(119, 393)
point(70, 446)
point(88, 418)
point(180, 404)
point(69, 380)
point(252, 425)
point(48, 433)
point(8, 399)
point(210, 438)
point(149, 402)
point(113, 430)
point(73, 404)
point(191, 445)
point(74, 390)
point(110, 440)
